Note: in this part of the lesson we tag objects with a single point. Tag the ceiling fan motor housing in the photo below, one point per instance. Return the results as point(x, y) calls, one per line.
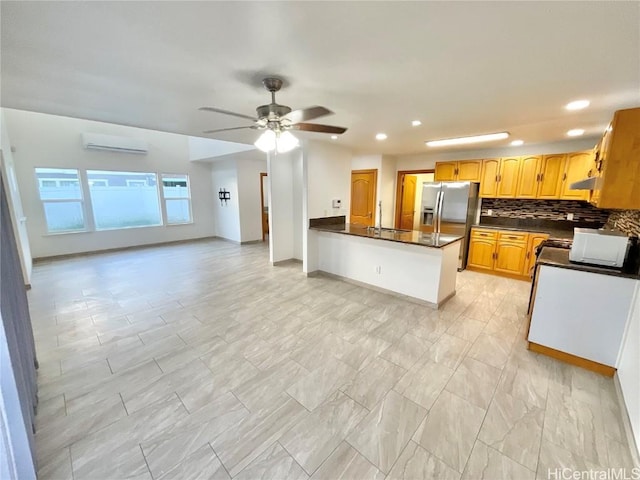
point(273, 111)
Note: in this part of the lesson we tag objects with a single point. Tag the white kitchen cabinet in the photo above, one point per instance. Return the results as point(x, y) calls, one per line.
point(581, 313)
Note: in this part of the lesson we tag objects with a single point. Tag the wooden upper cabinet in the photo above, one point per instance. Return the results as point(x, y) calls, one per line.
point(576, 168)
point(618, 184)
point(508, 177)
point(469, 170)
point(529, 178)
point(464, 171)
point(489, 178)
point(445, 171)
point(551, 176)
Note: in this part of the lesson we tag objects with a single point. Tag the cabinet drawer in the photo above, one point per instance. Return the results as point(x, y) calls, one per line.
point(513, 236)
point(493, 234)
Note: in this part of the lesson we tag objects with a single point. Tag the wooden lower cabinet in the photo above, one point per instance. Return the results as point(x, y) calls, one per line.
point(481, 253)
point(510, 257)
point(506, 252)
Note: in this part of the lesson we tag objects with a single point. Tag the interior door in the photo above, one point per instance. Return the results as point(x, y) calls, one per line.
point(363, 197)
point(408, 206)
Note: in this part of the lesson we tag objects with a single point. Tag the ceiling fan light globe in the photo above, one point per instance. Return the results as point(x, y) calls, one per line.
point(286, 142)
point(267, 141)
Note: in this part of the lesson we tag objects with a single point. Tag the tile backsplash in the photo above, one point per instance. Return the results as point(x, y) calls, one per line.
point(543, 210)
point(627, 221)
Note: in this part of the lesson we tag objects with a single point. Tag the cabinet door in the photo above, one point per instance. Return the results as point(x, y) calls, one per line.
point(551, 176)
point(529, 177)
point(445, 171)
point(535, 239)
point(469, 170)
point(576, 168)
point(508, 177)
point(510, 257)
point(489, 179)
point(481, 253)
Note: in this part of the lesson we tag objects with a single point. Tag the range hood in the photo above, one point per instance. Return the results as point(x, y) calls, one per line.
point(586, 184)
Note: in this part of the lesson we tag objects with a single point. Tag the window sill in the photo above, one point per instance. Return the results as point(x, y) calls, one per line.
point(57, 234)
point(179, 224)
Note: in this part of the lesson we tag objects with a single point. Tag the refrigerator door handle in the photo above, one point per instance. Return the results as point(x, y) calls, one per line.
point(440, 212)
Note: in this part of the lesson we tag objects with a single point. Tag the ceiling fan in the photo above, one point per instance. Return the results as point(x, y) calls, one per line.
point(276, 121)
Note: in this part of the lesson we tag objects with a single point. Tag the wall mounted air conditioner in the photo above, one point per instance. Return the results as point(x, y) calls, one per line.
point(113, 143)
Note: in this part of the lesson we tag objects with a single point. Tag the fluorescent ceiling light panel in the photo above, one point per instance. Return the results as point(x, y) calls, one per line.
point(465, 140)
point(577, 105)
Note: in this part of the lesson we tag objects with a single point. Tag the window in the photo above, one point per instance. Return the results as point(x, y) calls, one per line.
point(124, 199)
point(61, 197)
point(177, 199)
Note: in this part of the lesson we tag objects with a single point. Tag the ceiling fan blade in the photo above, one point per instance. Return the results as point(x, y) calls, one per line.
point(226, 112)
point(305, 114)
point(315, 127)
point(227, 129)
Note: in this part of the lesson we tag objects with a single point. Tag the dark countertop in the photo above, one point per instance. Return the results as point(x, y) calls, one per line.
point(559, 257)
point(411, 237)
point(553, 232)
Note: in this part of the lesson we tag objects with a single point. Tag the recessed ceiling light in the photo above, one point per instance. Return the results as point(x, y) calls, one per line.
point(517, 143)
point(416, 123)
point(577, 105)
point(576, 132)
point(464, 140)
point(381, 136)
point(334, 137)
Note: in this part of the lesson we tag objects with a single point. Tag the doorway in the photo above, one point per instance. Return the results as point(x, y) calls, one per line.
point(364, 184)
point(264, 205)
point(409, 183)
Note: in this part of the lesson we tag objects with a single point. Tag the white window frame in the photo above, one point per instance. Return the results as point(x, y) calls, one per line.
point(165, 199)
point(137, 183)
point(95, 228)
point(80, 200)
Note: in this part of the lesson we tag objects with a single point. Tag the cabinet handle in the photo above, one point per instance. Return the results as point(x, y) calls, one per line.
point(513, 237)
point(564, 176)
point(483, 234)
point(528, 254)
point(538, 178)
point(541, 176)
point(496, 178)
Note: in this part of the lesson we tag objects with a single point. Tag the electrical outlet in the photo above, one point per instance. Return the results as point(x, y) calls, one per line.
point(489, 212)
point(378, 269)
point(569, 216)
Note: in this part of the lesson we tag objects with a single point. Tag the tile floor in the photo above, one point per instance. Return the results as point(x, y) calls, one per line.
point(202, 361)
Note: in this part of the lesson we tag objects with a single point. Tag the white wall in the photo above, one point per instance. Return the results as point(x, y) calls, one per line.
point(18, 218)
point(281, 234)
point(387, 178)
point(249, 198)
point(43, 140)
point(224, 175)
point(329, 178)
point(299, 223)
point(428, 159)
point(629, 367)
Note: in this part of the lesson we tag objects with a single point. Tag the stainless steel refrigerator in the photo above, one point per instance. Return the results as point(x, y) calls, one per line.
point(451, 208)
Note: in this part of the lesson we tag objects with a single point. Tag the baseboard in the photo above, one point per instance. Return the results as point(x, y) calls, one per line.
point(573, 359)
point(288, 261)
point(121, 249)
point(418, 301)
point(626, 421)
point(251, 242)
point(524, 278)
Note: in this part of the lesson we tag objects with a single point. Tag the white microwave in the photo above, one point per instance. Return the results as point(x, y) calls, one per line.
point(599, 247)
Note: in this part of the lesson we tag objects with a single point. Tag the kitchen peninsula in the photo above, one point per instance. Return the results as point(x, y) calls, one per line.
point(418, 265)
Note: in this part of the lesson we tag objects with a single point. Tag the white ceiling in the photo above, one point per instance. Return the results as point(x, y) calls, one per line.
point(461, 67)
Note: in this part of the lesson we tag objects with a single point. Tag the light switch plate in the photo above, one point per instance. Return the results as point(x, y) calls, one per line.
point(337, 203)
point(569, 216)
point(489, 212)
